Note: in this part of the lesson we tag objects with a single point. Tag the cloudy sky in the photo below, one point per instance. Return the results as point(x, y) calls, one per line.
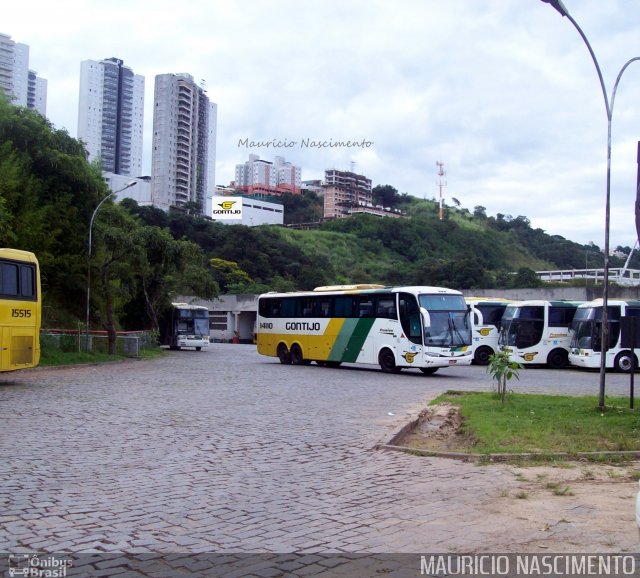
point(503, 92)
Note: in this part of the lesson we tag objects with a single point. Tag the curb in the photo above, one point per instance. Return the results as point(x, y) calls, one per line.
point(505, 457)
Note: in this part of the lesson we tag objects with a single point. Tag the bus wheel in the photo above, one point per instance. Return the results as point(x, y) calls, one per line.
point(332, 363)
point(623, 362)
point(296, 355)
point(482, 354)
point(198, 348)
point(428, 370)
point(283, 354)
point(558, 359)
point(387, 361)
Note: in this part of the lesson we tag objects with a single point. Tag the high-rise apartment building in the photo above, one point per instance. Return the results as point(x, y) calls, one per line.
point(345, 190)
point(184, 143)
point(260, 177)
point(22, 86)
point(111, 115)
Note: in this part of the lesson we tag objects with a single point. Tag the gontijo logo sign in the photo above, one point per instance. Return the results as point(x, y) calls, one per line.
point(226, 208)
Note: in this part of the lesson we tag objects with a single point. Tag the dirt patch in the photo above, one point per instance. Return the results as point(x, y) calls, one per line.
point(438, 429)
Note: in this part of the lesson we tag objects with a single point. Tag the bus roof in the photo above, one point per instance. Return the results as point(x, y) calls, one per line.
point(187, 306)
point(598, 302)
point(552, 303)
point(366, 288)
point(18, 255)
point(489, 300)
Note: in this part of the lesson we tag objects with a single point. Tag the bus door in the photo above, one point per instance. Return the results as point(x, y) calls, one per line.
point(411, 324)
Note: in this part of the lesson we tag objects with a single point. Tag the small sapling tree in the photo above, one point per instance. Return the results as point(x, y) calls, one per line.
point(502, 370)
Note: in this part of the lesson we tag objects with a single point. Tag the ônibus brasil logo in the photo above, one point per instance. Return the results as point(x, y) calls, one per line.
point(226, 208)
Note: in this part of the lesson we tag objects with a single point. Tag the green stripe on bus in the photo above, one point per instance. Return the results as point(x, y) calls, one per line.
point(349, 342)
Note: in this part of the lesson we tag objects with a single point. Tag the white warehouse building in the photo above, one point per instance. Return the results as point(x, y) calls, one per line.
point(254, 212)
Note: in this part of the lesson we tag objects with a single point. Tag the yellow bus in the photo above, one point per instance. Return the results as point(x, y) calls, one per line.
point(425, 328)
point(20, 309)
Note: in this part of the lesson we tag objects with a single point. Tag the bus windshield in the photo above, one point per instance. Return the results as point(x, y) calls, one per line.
point(522, 326)
point(449, 320)
point(192, 322)
point(587, 326)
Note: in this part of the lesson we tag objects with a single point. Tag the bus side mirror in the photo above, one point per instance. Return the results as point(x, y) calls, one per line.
point(426, 318)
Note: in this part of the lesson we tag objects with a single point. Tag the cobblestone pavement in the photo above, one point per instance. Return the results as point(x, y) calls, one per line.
point(228, 451)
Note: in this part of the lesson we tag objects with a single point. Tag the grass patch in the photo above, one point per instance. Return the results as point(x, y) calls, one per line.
point(57, 357)
point(54, 357)
point(546, 423)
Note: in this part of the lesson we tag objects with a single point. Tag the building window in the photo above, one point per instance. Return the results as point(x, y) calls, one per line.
point(218, 320)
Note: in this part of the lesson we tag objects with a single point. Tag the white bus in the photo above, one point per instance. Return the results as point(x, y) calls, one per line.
point(537, 332)
point(486, 318)
point(586, 340)
point(185, 325)
point(395, 327)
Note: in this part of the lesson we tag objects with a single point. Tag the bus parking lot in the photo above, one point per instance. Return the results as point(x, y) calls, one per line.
point(226, 451)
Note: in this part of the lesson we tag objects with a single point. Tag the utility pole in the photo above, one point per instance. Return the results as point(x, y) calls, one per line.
point(441, 183)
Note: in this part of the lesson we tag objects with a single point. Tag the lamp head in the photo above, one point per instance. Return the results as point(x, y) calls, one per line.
point(558, 5)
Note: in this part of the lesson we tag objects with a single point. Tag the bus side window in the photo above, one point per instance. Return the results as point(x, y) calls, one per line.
point(324, 308)
point(560, 316)
point(308, 307)
point(365, 307)
point(27, 281)
point(344, 306)
point(386, 307)
point(9, 279)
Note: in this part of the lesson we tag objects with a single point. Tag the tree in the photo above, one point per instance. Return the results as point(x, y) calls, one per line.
point(480, 212)
point(306, 207)
point(48, 192)
point(526, 278)
point(167, 267)
point(385, 195)
point(228, 273)
point(114, 255)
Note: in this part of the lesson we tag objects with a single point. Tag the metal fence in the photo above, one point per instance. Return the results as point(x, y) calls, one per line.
point(128, 343)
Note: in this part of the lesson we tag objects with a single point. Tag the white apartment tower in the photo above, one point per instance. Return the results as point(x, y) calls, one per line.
point(260, 177)
point(111, 115)
point(184, 144)
point(22, 86)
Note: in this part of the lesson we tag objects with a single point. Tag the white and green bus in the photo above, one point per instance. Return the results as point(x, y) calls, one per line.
point(586, 338)
point(394, 327)
point(536, 332)
point(486, 320)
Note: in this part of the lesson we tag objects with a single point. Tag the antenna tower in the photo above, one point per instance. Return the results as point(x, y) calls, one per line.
point(441, 183)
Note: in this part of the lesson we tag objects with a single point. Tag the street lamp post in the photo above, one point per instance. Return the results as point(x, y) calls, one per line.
point(93, 216)
point(604, 345)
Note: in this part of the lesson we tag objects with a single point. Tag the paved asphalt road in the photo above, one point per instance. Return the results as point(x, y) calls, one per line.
point(227, 451)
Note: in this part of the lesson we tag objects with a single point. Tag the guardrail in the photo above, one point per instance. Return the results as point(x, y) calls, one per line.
point(128, 343)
